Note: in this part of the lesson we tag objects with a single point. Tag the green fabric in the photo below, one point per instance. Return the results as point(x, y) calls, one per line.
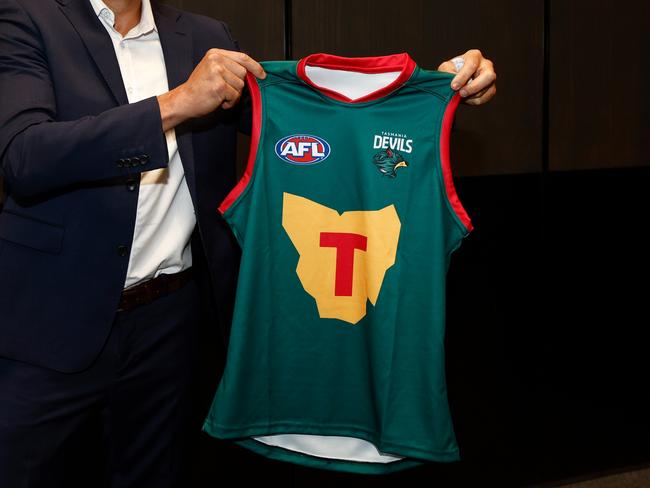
point(290, 371)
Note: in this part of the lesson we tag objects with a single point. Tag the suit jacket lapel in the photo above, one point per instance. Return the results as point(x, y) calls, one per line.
point(82, 17)
point(176, 41)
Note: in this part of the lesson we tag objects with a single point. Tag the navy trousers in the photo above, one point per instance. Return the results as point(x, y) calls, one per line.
point(139, 385)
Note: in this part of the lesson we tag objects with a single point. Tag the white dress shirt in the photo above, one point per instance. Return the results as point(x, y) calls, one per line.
point(165, 217)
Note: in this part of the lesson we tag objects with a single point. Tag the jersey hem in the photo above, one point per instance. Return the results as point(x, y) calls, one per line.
point(239, 435)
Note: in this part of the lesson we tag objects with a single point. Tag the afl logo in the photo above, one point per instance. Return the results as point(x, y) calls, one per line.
point(302, 149)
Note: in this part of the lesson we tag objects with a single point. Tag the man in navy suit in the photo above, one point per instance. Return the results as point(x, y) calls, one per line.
point(118, 121)
point(115, 151)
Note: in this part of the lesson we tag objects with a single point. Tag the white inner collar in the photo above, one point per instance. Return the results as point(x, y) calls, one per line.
point(352, 84)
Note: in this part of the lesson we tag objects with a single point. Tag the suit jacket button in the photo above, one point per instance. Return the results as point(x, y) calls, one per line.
point(120, 163)
point(144, 159)
point(131, 184)
point(122, 251)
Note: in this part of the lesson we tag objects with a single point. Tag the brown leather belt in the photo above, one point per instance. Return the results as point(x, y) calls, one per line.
point(151, 290)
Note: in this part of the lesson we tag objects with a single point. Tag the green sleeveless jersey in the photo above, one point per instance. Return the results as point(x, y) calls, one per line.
point(347, 217)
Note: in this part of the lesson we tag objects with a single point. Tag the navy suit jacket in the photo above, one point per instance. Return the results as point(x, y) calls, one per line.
point(71, 150)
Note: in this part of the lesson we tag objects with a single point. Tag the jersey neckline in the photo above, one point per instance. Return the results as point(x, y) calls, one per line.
point(401, 62)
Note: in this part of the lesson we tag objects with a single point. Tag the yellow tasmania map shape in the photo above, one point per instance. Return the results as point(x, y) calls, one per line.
point(343, 258)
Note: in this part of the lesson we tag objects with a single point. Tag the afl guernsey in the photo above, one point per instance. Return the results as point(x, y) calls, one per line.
point(347, 218)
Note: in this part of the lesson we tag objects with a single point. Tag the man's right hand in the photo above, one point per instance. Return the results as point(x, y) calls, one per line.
point(217, 81)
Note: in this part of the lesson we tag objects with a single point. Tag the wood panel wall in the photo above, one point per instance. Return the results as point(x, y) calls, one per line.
point(599, 78)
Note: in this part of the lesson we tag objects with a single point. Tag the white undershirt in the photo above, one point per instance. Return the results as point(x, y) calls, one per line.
point(165, 216)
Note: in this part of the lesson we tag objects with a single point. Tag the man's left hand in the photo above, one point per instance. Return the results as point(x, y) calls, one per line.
point(476, 79)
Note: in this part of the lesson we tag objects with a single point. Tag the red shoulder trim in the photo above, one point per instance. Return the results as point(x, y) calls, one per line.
point(447, 122)
point(378, 64)
point(256, 99)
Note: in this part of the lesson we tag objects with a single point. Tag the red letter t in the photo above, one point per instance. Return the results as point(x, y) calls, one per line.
point(345, 245)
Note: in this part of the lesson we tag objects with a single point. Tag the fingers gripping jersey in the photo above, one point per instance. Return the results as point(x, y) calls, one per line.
point(347, 217)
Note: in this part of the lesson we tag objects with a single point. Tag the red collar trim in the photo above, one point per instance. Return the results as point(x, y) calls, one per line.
point(380, 64)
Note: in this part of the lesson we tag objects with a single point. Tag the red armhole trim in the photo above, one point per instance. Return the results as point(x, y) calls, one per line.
point(447, 122)
point(256, 99)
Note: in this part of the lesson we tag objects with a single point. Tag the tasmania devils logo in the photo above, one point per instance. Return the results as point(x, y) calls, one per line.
point(302, 149)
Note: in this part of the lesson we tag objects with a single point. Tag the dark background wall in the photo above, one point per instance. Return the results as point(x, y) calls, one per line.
point(547, 342)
